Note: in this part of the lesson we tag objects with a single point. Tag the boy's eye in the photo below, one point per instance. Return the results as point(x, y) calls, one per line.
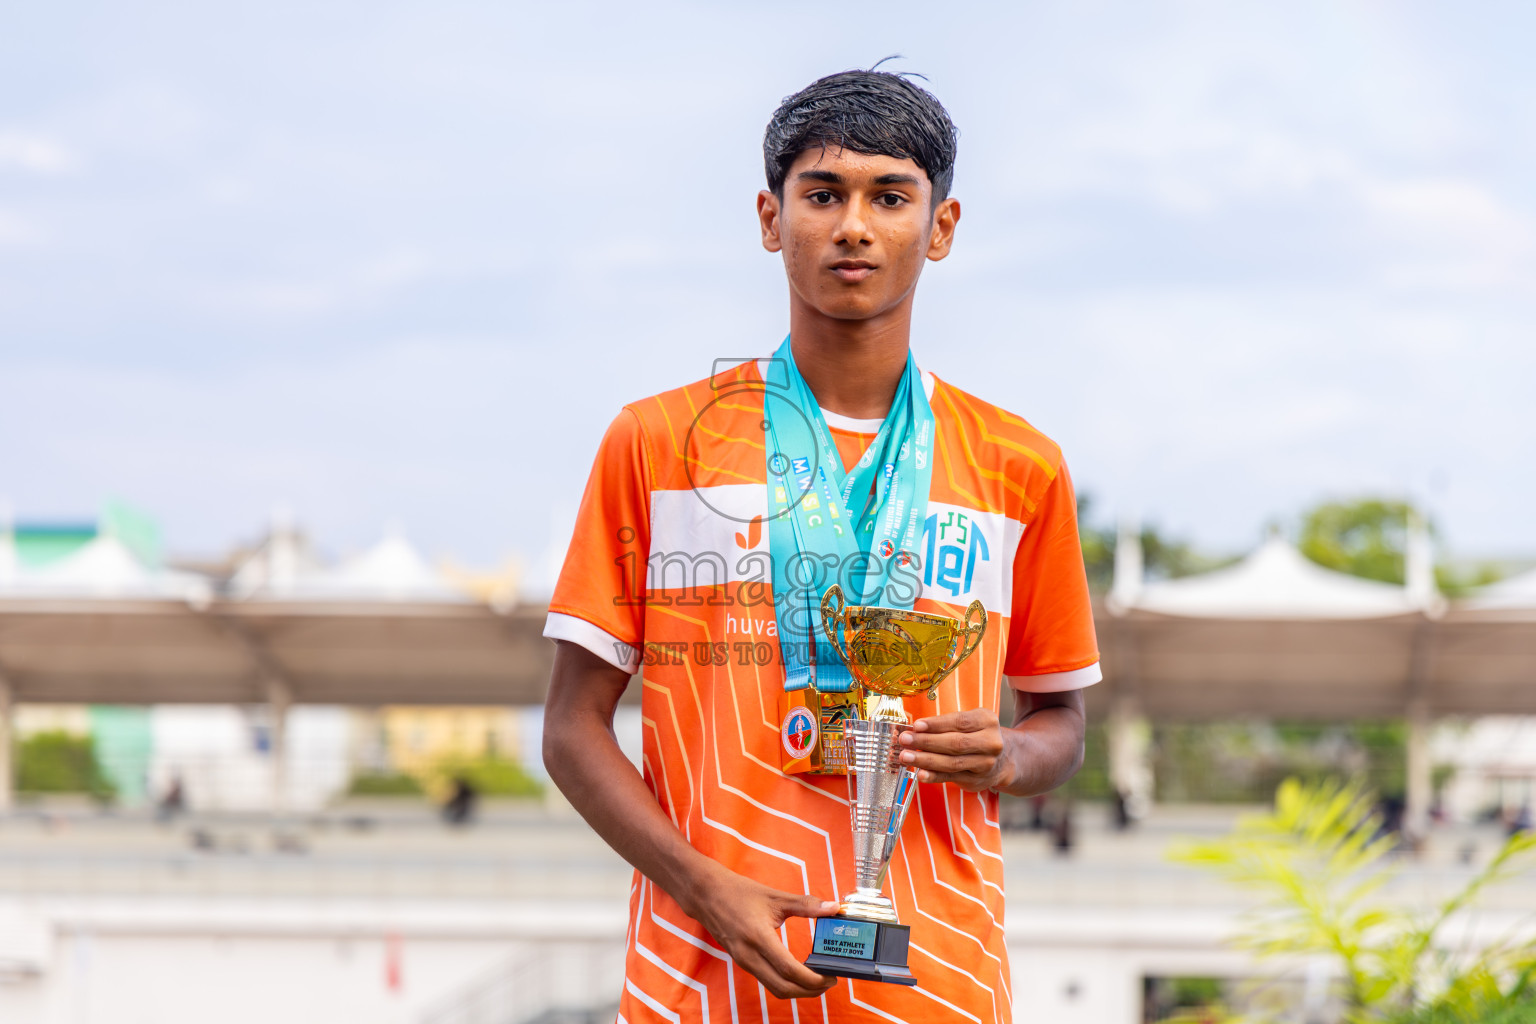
point(821, 198)
point(889, 199)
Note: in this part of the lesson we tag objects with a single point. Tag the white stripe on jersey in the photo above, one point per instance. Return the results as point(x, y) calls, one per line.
point(701, 538)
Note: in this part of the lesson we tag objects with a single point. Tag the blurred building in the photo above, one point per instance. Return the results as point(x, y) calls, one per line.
point(1490, 764)
point(420, 738)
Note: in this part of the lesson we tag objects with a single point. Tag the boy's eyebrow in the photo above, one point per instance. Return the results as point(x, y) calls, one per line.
point(830, 177)
point(833, 178)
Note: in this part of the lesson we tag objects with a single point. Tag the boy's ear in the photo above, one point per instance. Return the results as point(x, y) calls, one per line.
point(768, 217)
point(944, 220)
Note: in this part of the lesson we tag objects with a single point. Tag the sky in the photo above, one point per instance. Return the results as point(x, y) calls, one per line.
point(397, 265)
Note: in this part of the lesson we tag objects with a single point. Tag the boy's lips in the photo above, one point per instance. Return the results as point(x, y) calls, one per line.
point(853, 270)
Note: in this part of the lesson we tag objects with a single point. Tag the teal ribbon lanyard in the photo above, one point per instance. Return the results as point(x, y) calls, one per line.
point(830, 525)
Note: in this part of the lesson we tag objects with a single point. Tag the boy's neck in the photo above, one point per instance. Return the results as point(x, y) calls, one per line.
point(853, 367)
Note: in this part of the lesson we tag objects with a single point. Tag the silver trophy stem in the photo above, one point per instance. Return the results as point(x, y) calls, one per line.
point(880, 792)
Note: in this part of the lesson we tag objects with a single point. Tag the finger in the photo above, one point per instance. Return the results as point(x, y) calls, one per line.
point(755, 964)
point(988, 742)
point(973, 720)
point(969, 781)
point(778, 986)
point(791, 973)
point(980, 763)
point(791, 905)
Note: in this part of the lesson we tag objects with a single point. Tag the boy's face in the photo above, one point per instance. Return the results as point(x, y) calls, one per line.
point(855, 229)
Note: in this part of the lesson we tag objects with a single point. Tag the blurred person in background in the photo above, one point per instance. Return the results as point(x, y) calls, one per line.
point(459, 809)
point(730, 848)
point(173, 802)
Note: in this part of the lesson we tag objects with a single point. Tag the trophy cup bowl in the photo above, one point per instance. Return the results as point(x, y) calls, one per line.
point(896, 653)
point(892, 654)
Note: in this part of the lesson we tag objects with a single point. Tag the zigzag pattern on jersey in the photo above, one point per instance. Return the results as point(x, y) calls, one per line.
point(711, 756)
point(712, 747)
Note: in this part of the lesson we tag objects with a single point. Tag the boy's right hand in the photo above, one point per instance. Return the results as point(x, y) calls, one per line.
point(745, 916)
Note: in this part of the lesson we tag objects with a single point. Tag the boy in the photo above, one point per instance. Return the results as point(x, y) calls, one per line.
point(702, 549)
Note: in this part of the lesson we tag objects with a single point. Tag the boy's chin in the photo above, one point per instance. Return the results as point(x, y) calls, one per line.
point(851, 308)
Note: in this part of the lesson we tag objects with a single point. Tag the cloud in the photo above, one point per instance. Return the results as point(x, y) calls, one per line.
point(17, 231)
point(1229, 255)
point(35, 154)
point(1457, 233)
point(364, 283)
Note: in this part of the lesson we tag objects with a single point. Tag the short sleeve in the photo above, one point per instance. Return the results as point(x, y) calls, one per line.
point(1051, 642)
point(599, 600)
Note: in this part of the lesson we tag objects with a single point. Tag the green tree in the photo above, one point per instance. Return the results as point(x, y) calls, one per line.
point(1098, 546)
point(489, 774)
point(61, 762)
point(1365, 537)
point(1368, 537)
point(385, 784)
point(1245, 761)
point(1318, 864)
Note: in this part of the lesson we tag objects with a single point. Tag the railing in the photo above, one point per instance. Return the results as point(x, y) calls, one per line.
point(260, 872)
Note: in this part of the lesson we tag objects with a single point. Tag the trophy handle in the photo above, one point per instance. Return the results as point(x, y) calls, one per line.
point(970, 634)
point(832, 618)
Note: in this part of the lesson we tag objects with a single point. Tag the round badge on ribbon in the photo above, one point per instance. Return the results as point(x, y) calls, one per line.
point(799, 732)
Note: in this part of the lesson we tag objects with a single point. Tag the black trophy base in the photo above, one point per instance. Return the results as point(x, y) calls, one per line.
point(846, 947)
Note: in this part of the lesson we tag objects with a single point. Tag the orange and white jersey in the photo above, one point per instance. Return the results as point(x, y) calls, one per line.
point(667, 575)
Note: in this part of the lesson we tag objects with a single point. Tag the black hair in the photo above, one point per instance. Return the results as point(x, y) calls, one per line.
point(868, 112)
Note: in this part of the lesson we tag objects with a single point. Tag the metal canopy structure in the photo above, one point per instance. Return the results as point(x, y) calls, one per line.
point(1272, 637)
point(126, 651)
point(382, 627)
point(152, 652)
point(100, 627)
point(1191, 670)
point(163, 652)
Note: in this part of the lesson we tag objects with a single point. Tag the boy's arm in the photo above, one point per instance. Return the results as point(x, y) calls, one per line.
point(584, 760)
point(1040, 751)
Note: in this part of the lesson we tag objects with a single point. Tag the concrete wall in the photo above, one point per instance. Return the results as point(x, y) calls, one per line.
point(137, 961)
point(180, 961)
point(146, 960)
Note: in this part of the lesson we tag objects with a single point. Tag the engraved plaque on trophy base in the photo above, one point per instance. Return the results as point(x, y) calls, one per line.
point(845, 947)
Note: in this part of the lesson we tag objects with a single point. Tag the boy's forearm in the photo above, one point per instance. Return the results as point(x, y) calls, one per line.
point(1044, 749)
point(583, 759)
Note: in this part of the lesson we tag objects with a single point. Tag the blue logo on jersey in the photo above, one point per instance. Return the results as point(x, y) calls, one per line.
point(952, 545)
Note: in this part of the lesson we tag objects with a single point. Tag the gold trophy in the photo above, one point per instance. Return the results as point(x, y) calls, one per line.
point(891, 654)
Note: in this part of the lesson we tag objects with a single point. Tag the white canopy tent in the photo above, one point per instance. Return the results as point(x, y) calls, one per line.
point(102, 568)
point(7, 555)
point(1515, 596)
point(1275, 582)
point(1274, 635)
point(392, 570)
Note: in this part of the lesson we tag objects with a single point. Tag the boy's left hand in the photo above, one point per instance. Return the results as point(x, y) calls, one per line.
point(967, 748)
